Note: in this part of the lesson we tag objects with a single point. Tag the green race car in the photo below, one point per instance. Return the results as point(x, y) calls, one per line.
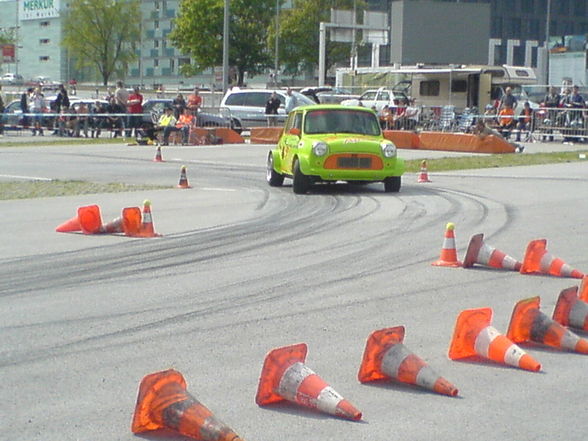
point(330, 143)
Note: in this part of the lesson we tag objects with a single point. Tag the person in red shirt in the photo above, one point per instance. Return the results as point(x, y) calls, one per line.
point(135, 110)
point(195, 102)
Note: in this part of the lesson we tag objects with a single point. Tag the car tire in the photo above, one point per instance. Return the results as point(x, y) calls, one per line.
point(392, 184)
point(301, 182)
point(274, 179)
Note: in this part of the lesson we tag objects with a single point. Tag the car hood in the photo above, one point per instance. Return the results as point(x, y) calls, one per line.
point(343, 142)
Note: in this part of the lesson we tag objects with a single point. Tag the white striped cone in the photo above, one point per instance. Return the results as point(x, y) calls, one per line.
point(538, 260)
point(570, 310)
point(484, 254)
point(448, 251)
point(284, 376)
point(583, 290)
point(386, 357)
point(474, 335)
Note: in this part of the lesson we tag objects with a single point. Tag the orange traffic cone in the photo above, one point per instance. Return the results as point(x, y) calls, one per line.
point(484, 254)
point(473, 335)
point(583, 291)
point(448, 252)
point(183, 178)
point(538, 260)
point(528, 323)
point(88, 220)
point(424, 174)
point(285, 377)
point(386, 357)
point(147, 229)
point(570, 310)
point(158, 157)
point(164, 403)
point(131, 218)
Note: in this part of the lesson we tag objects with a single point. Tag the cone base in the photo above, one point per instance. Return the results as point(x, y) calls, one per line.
point(454, 264)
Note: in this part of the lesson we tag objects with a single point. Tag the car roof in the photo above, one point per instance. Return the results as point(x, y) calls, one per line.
point(333, 107)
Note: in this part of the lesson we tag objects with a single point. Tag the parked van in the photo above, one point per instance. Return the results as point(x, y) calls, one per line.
point(249, 104)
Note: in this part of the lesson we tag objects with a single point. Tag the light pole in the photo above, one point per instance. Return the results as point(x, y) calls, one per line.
point(547, 23)
point(276, 61)
point(226, 46)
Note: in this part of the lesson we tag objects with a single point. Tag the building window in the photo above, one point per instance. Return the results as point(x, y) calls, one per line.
point(459, 85)
point(44, 41)
point(155, 43)
point(157, 6)
point(156, 24)
point(172, 64)
point(44, 58)
point(429, 88)
point(580, 8)
point(182, 61)
point(44, 23)
point(156, 63)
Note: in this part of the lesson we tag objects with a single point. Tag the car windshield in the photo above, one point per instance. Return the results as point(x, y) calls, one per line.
point(302, 100)
point(341, 121)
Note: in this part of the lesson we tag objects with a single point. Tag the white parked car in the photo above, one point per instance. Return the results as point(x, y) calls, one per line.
point(11, 78)
point(377, 98)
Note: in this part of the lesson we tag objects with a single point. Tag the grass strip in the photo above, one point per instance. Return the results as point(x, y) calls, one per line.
point(43, 189)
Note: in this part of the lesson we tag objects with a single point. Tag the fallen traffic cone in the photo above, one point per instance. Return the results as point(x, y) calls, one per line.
point(164, 403)
point(538, 260)
point(131, 217)
point(448, 252)
point(285, 377)
point(183, 178)
point(570, 310)
point(158, 157)
point(528, 323)
point(88, 220)
point(474, 335)
point(583, 291)
point(386, 357)
point(424, 174)
point(147, 229)
point(479, 252)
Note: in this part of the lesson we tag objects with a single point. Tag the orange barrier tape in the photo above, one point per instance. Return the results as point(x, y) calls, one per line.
point(265, 135)
point(463, 142)
point(403, 139)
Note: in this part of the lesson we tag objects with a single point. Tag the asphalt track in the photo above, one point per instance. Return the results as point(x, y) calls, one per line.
point(243, 268)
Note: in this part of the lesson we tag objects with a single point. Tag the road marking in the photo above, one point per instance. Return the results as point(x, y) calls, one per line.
point(28, 178)
point(217, 189)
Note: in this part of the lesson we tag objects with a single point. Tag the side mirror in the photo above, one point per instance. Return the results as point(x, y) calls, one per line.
point(294, 131)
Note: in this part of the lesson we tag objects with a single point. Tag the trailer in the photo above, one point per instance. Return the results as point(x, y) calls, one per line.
point(472, 86)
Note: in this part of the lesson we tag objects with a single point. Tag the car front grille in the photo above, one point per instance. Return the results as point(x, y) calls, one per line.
point(353, 161)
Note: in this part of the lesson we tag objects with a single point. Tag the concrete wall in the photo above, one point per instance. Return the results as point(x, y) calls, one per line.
point(569, 66)
point(439, 32)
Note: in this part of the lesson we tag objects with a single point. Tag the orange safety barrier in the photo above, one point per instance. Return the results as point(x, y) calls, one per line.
point(284, 376)
point(463, 142)
point(448, 251)
point(229, 136)
point(474, 335)
point(164, 403)
point(265, 135)
point(570, 310)
point(528, 323)
point(403, 139)
point(386, 357)
point(484, 254)
point(538, 260)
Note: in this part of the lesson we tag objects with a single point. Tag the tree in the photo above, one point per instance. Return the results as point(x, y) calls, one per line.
point(103, 34)
point(299, 35)
point(198, 32)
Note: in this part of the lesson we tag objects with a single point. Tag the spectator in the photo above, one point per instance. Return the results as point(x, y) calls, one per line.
point(38, 107)
point(73, 83)
point(508, 99)
point(121, 96)
point(135, 109)
point(525, 122)
point(97, 120)
point(60, 103)
point(195, 103)
point(400, 115)
point(490, 115)
point(551, 101)
point(184, 124)
point(506, 120)
point(386, 117)
point(291, 101)
point(271, 109)
point(1, 112)
point(166, 123)
point(114, 120)
point(24, 106)
point(79, 122)
point(179, 104)
point(574, 118)
point(412, 115)
point(482, 131)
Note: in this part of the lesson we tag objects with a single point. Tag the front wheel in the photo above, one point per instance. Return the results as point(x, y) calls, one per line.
point(273, 178)
point(301, 182)
point(392, 184)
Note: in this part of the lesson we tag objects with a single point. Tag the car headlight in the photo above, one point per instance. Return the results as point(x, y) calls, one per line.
point(319, 148)
point(388, 149)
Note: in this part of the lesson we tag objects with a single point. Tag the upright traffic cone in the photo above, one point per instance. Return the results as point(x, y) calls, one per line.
point(448, 252)
point(284, 376)
point(158, 157)
point(183, 178)
point(386, 357)
point(164, 403)
point(583, 290)
point(538, 260)
point(528, 323)
point(570, 310)
point(474, 335)
point(90, 219)
point(484, 254)
point(424, 174)
point(147, 229)
point(131, 217)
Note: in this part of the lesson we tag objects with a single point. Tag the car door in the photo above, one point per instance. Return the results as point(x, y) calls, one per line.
point(255, 105)
point(289, 140)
